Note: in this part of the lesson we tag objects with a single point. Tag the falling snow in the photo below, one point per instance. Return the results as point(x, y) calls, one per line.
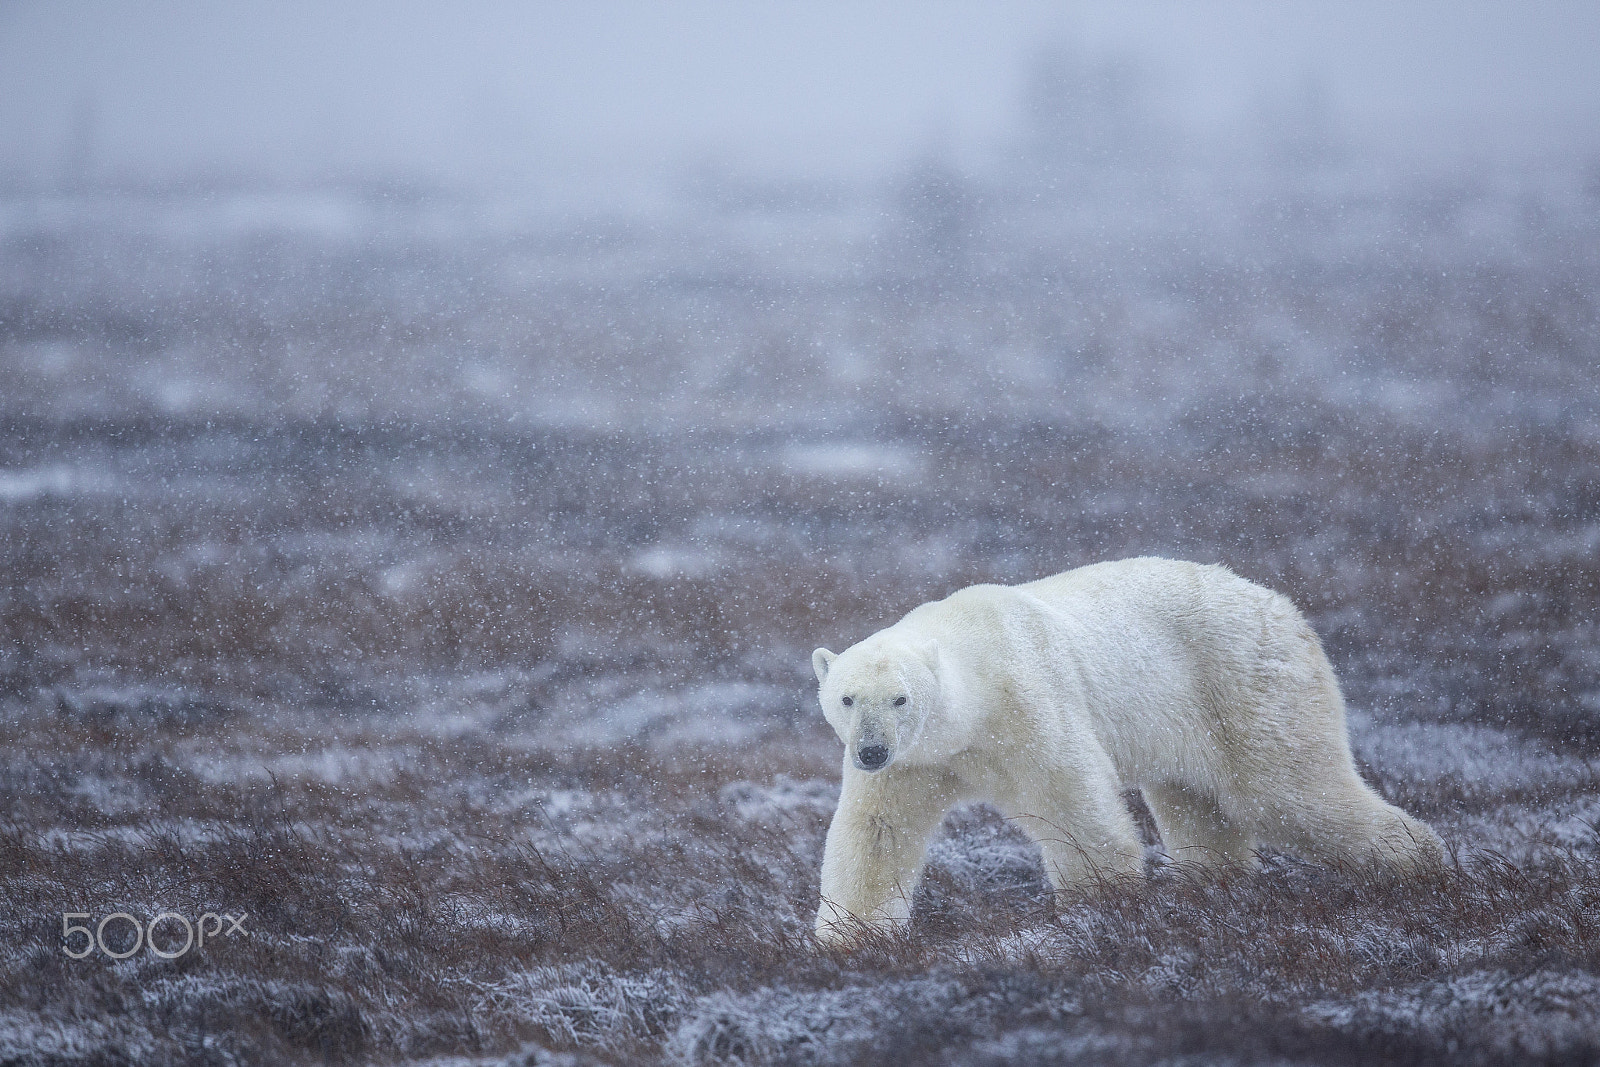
point(434, 580)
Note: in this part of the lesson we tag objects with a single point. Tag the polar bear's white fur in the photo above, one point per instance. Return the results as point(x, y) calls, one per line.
point(1208, 692)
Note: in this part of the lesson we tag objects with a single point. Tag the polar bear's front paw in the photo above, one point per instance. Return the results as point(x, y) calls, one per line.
point(837, 928)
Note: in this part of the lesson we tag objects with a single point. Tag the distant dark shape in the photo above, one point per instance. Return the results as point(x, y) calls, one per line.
point(1300, 126)
point(78, 151)
point(1086, 112)
point(939, 211)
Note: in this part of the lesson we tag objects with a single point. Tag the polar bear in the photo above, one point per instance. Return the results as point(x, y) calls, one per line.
point(1206, 691)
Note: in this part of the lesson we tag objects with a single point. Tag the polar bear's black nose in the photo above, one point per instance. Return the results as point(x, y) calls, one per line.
point(873, 756)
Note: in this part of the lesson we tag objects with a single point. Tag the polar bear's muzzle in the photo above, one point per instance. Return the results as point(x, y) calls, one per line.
point(872, 756)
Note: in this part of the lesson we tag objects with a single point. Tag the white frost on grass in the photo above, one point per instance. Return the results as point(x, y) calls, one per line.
point(719, 712)
point(586, 1004)
point(57, 480)
point(184, 832)
point(777, 1026)
point(1016, 948)
point(776, 802)
point(664, 561)
point(1051, 1045)
point(1521, 833)
point(527, 1056)
point(1481, 759)
point(549, 813)
point(466, 912)
point(861, 460)
point(558, 803)
point(1531, 1018)
point(848, 1025)
point(28, 1037)
point(109, 794)
point(339, 765)
point(335, 764)
point(986, 855)
point(1579, 826)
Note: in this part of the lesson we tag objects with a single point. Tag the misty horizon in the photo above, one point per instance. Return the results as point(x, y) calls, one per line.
point(538, 98)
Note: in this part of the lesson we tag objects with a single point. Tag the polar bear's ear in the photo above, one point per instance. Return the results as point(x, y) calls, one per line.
point(930, 652)
point(821, 660)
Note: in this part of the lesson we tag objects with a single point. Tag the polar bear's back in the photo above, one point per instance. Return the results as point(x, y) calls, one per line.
point(1208, 608)
point(1219, 623)
point(1173, 582)
point(1151, 647)
point(1242, 657)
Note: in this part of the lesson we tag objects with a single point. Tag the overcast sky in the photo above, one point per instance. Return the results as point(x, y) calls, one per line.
point(495, 90)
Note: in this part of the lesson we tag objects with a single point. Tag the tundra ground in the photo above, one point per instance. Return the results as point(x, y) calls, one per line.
point(498, 725)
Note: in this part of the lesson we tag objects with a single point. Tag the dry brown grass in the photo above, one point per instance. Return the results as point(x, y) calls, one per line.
point(499, 724)
point(266, 727)
point(405, 914)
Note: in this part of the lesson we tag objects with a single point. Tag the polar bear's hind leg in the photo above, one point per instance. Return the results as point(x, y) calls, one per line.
point(1195, 832)
point(1291, 778)
point(1085, 832)
point(1347, 822)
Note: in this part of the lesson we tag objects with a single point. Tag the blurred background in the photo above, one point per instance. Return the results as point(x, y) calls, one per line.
point(577, 213)
point(342, 342)
point(433, 439)
point(597, 100)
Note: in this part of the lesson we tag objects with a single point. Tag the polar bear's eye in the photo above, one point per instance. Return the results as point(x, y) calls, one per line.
point(848, 701)
point(899, 701)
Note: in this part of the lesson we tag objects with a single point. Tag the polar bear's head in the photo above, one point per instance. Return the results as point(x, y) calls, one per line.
point(878, 696)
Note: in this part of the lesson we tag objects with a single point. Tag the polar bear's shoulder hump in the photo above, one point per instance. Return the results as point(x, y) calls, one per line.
point(975, 602)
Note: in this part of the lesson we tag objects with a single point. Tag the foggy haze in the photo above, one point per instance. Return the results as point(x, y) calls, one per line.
point(433, 439)
point(504, 94)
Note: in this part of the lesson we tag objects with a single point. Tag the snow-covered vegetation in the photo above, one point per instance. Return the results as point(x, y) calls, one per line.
point(434, 581)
